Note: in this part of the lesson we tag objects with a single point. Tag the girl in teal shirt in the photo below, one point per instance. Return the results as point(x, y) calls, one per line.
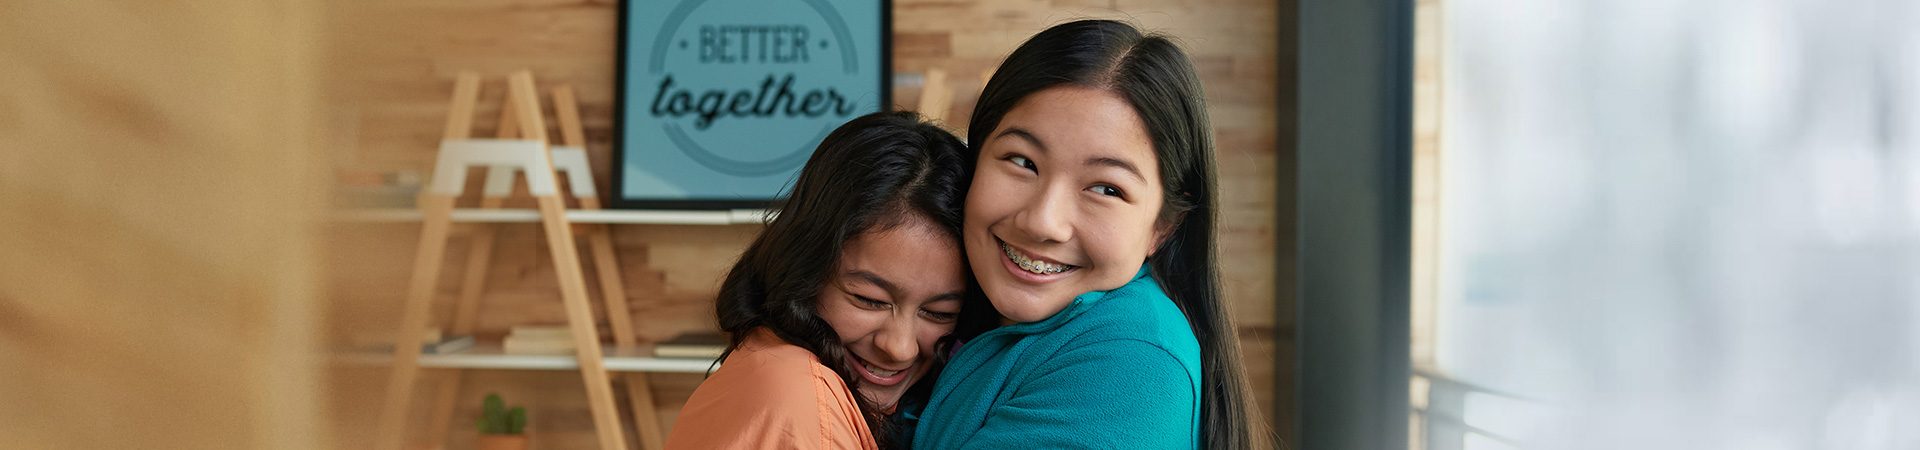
point(1089, 225)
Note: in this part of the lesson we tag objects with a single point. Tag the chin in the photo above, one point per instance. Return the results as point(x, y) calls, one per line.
point(1023, 306)
point(888, 400)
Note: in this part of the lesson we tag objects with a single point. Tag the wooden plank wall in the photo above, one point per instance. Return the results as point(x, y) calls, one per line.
point(393, 62)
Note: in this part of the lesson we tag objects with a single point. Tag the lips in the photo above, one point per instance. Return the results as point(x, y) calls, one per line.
point(876, 375)
point(1033, 264)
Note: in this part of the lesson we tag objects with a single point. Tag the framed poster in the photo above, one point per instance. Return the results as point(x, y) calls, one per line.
point(720, 102)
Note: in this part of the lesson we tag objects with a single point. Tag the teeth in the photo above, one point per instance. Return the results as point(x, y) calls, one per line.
point(873, 370)
point(1029, 264)
point(876, 370)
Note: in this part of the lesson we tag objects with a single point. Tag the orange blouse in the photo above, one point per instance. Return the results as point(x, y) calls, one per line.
point(771, 394)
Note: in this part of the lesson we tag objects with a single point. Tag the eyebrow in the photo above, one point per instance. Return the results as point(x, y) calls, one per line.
point(1023, 134)
point(1099, 161)
point(870, 277)
point(894, 289)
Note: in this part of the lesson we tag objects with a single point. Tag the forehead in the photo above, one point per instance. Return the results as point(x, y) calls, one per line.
point(1080, 122)
point(914, 255)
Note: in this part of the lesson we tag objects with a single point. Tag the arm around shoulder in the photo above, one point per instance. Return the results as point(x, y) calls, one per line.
point(1120, 393)
point(766, 403)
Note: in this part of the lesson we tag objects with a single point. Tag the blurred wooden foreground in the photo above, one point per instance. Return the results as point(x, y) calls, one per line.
point(157, 272)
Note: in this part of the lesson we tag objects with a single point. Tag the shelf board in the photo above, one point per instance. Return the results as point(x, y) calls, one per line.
point(489, 356)
point(521, 215)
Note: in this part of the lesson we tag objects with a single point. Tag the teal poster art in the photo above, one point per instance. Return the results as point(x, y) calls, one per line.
point(722, 101)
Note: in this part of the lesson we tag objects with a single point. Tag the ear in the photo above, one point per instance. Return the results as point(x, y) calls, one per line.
point(1162, 230)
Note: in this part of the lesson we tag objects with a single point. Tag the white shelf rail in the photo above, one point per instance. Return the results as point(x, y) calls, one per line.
point(655, 217)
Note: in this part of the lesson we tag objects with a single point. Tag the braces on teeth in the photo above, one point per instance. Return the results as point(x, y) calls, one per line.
point(1030, 265)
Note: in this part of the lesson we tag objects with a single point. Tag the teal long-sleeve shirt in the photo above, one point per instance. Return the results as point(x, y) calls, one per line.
point(1115, 369)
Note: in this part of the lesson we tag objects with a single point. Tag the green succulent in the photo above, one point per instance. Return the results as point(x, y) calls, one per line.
point(495, 418)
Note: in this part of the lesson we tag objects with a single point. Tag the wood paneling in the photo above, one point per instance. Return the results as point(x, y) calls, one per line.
point(395, 60)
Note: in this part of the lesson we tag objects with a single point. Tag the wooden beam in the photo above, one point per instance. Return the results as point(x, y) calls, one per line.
point(413, 321)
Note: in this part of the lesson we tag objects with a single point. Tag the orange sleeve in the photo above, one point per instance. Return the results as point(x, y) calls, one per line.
point(772, 397)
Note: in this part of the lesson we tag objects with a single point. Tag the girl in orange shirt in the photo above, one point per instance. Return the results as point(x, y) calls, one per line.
point(860, 282)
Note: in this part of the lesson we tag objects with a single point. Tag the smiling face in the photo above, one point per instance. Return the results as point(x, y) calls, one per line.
point(896, 293)
point(1064, 200)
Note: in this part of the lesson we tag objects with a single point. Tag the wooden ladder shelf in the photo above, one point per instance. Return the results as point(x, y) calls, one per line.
point(520, 148)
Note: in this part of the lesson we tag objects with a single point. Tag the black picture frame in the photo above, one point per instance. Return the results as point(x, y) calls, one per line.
point(618, 199)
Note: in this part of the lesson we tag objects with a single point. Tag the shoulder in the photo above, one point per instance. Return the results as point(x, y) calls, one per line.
point(1071, 401)
point(1138, 311)
point(770, 363)
point(1132, 332)
point(767, 392)
point(768, 371)
point(1120, 361)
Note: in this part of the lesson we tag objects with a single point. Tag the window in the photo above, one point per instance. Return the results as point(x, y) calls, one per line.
point(1654, 224)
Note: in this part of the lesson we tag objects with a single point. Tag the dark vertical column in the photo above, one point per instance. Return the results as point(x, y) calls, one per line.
point(1286, 226)
point(1355, 154)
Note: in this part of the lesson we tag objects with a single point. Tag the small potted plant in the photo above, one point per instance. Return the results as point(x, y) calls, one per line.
point(502, 428)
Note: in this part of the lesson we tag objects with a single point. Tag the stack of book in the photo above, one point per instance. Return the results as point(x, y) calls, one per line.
point(372, 188)
point(538, 340)
point(431, 344)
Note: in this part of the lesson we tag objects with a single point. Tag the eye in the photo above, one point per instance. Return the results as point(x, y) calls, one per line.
point(1107, 190)
point(940, 317)
point(869, 303)
point(1023, 162)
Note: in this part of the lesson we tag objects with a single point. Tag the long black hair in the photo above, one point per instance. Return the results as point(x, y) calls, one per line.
point(1158, 80)
point(873, 173)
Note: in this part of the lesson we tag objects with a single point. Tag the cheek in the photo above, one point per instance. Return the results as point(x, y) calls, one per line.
point(977, 216)
point(934, 331)
point(971, 214)
point(1122, 242)
point(930, 335)
point(848, 322)
point(987, 195)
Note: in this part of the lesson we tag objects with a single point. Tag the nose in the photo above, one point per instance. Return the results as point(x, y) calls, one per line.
point(1046, 216)
point(896, 341)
